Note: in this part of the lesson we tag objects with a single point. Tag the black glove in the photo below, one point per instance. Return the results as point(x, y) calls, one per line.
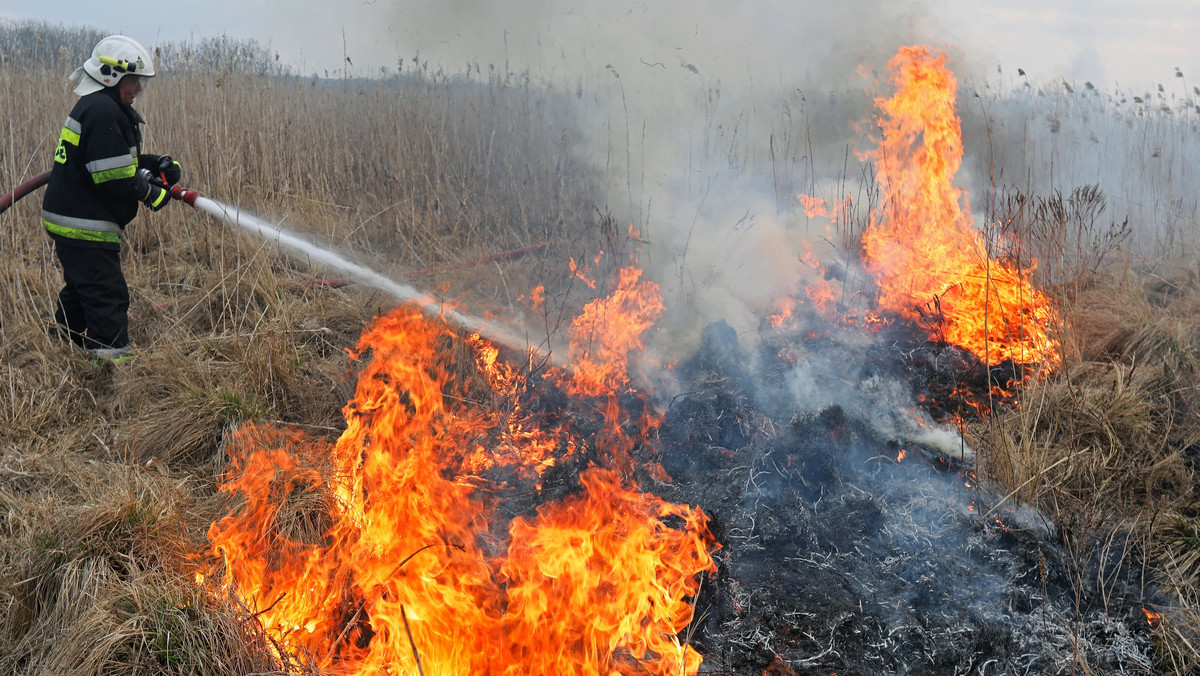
point(157, 195)
point(170, 169)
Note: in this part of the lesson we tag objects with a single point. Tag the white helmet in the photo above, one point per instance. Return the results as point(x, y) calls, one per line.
point(113, 58)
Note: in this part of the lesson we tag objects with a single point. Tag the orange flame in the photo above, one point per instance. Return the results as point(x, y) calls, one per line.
point(537, 297)
point(609, 565)
point(786, 315)
point(1152, 618)
point(385, 552)
point(922, 247)
point(814, 206)
point(607, 329)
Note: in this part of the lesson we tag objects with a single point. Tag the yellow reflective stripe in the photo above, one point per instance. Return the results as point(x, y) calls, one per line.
point(69, 136)
point(113, 174)
point(79, 233)
point(162, 195)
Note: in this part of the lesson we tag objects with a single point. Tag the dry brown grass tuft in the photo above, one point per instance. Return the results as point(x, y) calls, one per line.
point(1108, 445)
point(1072, 432)
point(1112, 428)
point(102, 586)
point(1181, 549)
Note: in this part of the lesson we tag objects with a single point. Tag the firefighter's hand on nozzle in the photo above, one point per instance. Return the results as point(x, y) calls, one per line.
point(150, 177)
point(157, 195)
point(170, 170)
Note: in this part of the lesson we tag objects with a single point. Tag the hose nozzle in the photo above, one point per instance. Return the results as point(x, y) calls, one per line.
point(187, 196)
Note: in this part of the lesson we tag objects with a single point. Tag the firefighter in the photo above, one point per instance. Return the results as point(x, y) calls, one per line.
point(98, 178)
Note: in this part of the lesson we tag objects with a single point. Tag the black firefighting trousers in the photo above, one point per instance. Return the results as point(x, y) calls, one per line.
point(93, 306)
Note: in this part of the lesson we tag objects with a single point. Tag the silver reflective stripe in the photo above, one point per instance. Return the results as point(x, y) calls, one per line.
point(80, 223)
point(107, 163)
point(73, 125)
point(133, 151)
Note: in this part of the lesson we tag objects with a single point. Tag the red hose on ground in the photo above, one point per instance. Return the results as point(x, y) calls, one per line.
point(8, 198)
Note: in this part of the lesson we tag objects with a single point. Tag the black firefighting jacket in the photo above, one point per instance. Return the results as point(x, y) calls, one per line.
point(94, 186)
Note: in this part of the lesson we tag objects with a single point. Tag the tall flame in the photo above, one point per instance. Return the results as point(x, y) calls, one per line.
point(388, 551)
point(605, 332)
point(922, 246)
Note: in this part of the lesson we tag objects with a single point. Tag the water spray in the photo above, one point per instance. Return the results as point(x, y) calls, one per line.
point(363, 275)
point(402, 292)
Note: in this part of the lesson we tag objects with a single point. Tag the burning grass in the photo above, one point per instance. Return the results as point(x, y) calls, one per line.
point(426, 558)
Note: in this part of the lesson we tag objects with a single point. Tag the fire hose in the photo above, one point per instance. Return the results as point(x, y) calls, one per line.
point(189, 198)
point(10, 197)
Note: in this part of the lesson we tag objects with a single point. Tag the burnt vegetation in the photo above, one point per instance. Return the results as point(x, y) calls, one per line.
point(852, 551)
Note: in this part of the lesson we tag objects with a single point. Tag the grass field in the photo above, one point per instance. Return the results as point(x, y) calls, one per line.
point(108, 475)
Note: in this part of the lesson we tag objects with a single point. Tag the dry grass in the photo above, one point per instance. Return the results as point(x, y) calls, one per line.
point(1108, 446)
point(100, 586)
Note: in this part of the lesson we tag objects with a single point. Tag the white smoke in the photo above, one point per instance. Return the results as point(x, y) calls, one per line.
point(705, 117)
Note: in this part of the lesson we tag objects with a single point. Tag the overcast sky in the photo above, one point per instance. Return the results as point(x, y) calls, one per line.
point(1108, 42)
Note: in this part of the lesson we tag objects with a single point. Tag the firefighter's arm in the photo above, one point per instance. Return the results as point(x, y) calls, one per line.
point(111, 163)
point(114, 169)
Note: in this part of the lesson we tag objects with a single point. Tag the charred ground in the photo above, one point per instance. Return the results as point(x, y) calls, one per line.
point(838, 557)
